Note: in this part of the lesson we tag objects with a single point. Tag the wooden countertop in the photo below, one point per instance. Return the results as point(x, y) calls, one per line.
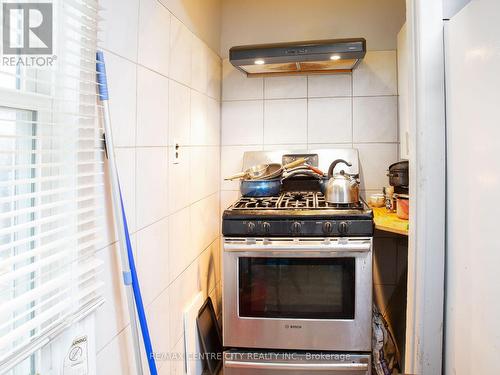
point(389, 221)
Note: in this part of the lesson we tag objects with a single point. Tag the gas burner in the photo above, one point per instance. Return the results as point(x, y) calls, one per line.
point(256, 203)
point(322, 203)
point(297, 199)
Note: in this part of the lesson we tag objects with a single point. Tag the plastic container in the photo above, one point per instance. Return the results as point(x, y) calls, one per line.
point(403, 206)
point(377, 200)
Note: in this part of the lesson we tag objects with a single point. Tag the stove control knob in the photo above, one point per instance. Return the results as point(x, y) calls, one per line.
point(250, 227)
point(327, 227)
point(343, 227)
point(296, 227)
point(266, 227)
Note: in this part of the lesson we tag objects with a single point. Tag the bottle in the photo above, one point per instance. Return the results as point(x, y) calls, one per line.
point(389, 198)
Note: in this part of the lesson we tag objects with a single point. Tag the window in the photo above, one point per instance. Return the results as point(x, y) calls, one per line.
point(51, 180)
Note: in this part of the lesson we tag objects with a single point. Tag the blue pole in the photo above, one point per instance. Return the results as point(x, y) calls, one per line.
point(127, 256)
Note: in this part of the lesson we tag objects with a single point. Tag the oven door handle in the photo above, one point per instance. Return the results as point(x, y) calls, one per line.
point(360, 247)
point(298, 366)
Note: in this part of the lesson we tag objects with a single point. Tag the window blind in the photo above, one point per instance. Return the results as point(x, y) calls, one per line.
point(51, 184)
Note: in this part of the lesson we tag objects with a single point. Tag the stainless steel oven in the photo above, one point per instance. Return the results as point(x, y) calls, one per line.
point(298, 293)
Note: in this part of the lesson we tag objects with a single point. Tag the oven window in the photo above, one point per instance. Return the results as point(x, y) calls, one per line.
point(297, 288)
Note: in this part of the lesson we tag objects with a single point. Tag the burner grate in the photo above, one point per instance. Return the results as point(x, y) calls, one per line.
point(297, 199)
point(259, 203)
point(293, 200)
point(322, 203)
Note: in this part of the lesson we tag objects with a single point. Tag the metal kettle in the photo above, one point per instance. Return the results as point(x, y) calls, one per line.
point(341, 188)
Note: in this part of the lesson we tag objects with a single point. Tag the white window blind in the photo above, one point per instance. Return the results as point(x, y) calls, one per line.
point(51, 183)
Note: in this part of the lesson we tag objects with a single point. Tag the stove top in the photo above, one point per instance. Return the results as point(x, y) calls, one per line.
point(296, 213)
point(295, 200)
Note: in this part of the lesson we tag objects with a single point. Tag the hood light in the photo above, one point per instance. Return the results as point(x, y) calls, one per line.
point(259, 62)
point(334, 57)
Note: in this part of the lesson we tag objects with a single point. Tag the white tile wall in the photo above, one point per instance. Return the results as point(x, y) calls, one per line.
point(154, 36)
point(151, 185)
point(285, 121)
point(122, 99)
point(152, 113)
point(165, 88)
point(181, 42)
point(330, 120)
point(241, 130)
point(375, 119)
point(285, 87)
point(236, 86)
point(321, 86)
point(376, 75)
point(179, 129)
point(307, 112)
point(199, 129)
point(119, 27)
point(152, 259)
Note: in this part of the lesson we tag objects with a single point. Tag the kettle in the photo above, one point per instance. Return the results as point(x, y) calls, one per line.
point(341, 188)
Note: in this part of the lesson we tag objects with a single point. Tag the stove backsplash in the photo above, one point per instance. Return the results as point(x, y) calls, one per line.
point(300, 113)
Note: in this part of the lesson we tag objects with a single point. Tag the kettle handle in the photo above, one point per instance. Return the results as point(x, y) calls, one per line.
point(334, 164)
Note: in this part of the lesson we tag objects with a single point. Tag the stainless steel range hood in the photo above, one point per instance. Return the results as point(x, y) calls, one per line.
point(310, 57)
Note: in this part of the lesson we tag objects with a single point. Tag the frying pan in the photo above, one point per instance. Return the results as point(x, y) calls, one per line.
point(260, 188)
point(266, 171)
point(255, 171)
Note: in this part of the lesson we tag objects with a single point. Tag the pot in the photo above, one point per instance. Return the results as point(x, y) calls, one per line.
point(398, 174)
point(260, 188)
point(341, 188)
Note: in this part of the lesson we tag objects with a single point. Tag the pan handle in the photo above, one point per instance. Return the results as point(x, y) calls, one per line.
point(316, 170)
point(295, 163)
point(235, 176)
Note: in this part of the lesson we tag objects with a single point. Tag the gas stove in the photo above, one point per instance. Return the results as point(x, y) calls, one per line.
point(297, 274)
point(298, 214)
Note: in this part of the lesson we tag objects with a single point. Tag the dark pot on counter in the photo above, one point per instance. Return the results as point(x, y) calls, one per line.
point(398, 174)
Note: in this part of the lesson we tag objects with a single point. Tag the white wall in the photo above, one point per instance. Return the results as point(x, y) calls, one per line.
point(201, 17)
point(164, 85)
point(307, 112)
point(473, 279)
point(268, 21)
point(452, 7)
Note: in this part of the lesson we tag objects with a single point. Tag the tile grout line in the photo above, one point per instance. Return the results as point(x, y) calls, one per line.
point(307, 112)
point(352, 110)
point(263, 113)
point(312, 97)
point(136, 122)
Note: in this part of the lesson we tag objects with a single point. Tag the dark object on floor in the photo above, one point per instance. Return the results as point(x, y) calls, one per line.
point(385, 356)
point(210, 338)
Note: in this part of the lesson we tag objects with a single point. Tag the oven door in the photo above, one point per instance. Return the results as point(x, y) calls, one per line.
point(300, 294)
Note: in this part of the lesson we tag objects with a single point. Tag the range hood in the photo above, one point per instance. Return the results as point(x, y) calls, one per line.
point(310, 57)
